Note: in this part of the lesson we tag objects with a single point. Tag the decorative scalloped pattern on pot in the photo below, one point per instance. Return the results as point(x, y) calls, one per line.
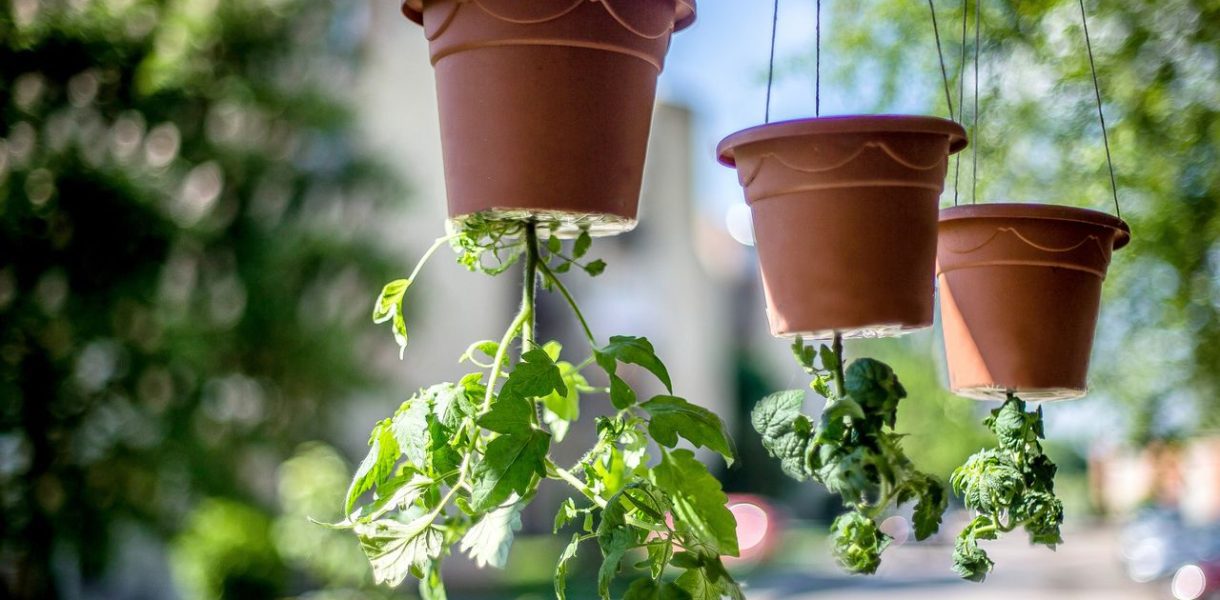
point(1088, 254)
point(539, 11)
point(819, 161)
point(1020, 289)
point(637, 28)
point(795, 165)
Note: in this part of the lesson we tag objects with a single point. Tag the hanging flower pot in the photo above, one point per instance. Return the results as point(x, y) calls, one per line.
point(1020, 286)
point(845, 219)
point(546, 105)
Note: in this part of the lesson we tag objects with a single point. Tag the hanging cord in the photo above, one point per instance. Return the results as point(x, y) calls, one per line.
point(1101, 116)
point(961, 99)
point(974, 130)
point(944, 73)
point(817, 60)
point(771, 63)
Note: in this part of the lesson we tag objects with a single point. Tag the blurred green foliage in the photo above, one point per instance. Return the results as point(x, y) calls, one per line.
point(1039, 140)
point(180, 277)
point(225, 552)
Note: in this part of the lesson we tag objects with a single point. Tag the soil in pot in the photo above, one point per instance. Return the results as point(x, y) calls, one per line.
point(1020, 289)
point(844, 213)
point(546, 105)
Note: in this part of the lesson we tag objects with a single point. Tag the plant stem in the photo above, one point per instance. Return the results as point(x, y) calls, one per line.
point(575, 482)
point(436, 244)
point(524, 321)
point(836, 346)
point(550, 275)
point(498, 361)
point(529, 285)
point(987, 529)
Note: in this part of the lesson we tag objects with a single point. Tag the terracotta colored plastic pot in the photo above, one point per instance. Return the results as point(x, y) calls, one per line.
point(1020, 287)
point(845, 219)
point(546, 105)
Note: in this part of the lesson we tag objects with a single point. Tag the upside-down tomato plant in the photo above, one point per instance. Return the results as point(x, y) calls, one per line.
point(852, 449)
point(457, 463)
point(1007, 487)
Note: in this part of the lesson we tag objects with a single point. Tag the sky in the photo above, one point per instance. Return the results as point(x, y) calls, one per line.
point(718, 68)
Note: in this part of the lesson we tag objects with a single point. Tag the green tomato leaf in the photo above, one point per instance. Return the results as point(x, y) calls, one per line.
point(582, 244)
point(431, 586)
point(970, 561)
point(635, 351)
point(932, 504)
point(837, 419)
point(563, 409)
point(450, 403)
point(614, 542)
point(534, 377)
point(595, 268)
point(1040, 471)
point(672, 417)
point(488, 541)
point(858, 542)
point(830, 362)
point(659, 553)
point(410, 428)
point(1011, 426)
point(698, 504)
point(389, 307)
point(785, 431)
point(561, 569)
point(709, 583)
point(873, 385)
point(1042, 513)
point(377, 466)
point(567, 511)
point(988, 482)
point(804, 355)
point(395, 549)
point(651, 589)
point(508, 414)
point(397, 494)
point(389, 302)
point(847, 474)
point(510, 464)
point(621, 394)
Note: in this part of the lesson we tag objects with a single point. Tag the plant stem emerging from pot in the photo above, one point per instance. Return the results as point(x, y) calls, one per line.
point(458, 462)
point(1007, 487)
point(853, 450)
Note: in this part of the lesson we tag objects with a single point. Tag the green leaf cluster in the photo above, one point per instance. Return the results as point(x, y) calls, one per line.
point(852, 450)
point(1007, 487)
point(491, 246)
point(458, 462)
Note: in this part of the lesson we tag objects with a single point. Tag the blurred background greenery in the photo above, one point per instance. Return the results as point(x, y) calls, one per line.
point(185, 275)
point(181, 280)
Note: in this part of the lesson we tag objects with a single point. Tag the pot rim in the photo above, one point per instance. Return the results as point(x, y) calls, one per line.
point(814, 126)
point(414, 10)
point(1048, 212)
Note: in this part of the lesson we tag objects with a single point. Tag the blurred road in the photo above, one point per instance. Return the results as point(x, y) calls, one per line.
point(1086, 567)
